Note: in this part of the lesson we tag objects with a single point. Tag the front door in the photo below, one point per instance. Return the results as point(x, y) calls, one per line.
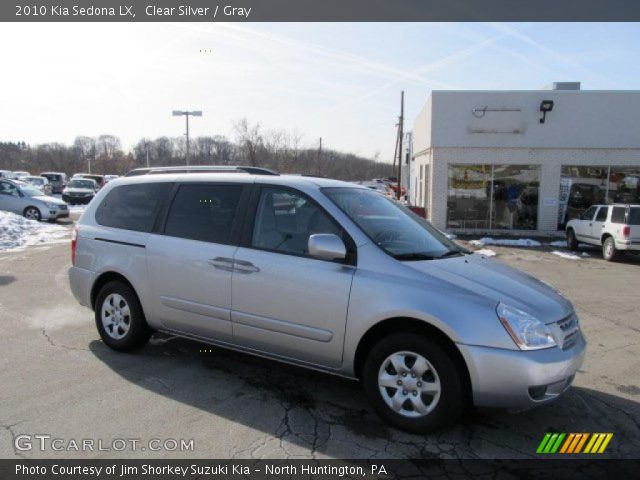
point(190, 261)
point(583, 227)
point(10, 199)
point(286, 302)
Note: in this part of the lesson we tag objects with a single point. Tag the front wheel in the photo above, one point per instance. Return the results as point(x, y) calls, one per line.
point(609, 251)
point(32, 213)
point(119, 317)
point(572, 241)
point(413, 383)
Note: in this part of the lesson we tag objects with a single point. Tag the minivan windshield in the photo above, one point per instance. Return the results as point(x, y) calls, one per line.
point(391, 226)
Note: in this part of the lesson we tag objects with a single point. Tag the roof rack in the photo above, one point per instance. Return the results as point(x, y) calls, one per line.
point(202, 169)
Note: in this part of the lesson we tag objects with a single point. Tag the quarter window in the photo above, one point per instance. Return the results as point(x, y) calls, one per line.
point(132, 207)
point(204, 212)
point(618, 214)
point(285, 220)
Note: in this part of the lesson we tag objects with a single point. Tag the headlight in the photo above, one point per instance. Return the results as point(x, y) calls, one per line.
point(51, 205)
point(527, 331)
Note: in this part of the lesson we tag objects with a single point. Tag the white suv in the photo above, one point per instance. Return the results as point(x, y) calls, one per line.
point(613, 227)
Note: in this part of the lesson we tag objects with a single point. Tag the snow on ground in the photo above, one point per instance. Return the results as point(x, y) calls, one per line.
point(559, 243)
point(17, 232)
point(567, 255)
point(486, 252)
point(77, 208)
point(515, 242)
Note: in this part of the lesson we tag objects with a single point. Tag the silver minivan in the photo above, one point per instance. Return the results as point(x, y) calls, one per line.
point(324, 274)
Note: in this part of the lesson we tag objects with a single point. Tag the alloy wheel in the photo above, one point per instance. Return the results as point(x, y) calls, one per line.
point(116, 316)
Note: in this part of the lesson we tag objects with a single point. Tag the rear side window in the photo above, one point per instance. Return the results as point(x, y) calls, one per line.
point(634, 216)
point(132, 207)
point(617, 215)
point(204, 212)
point(602, 214)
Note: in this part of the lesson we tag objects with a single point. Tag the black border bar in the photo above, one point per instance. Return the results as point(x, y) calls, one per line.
point(541, 468)
point(324, 11)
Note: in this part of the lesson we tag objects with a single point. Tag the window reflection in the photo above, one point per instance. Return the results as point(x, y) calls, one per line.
point(493, 196)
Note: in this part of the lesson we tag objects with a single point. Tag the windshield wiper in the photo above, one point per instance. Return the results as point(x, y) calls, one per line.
point(413, 256)
point(451, 253)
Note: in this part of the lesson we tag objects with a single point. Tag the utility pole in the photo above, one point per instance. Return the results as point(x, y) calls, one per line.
point(146, 144)
point(400, 135)
point(195, 113)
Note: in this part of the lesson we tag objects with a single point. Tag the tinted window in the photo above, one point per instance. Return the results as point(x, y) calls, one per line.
point(634, 216)
point(52, 177)
point(132, 207)
point(286, 219)
point(204, 212)
point(602, 214)
point(588, 215)
point(617, 215)
point(8, 189)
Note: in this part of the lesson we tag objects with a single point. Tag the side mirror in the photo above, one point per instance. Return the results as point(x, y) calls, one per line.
point(327, 246)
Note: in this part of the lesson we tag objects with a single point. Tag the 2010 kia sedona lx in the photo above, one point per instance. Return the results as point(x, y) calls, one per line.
point(327, 275)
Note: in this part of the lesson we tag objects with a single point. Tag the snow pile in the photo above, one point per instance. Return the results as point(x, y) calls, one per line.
point(517, 242)
point(17, 232)
point(450, 236)
point(567, 255)
point(559, 243)
point(486, 252)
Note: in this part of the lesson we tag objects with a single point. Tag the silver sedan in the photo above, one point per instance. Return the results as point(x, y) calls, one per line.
point(30, 202)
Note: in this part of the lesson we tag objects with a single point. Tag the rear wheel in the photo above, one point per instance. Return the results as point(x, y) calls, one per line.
point(609, 251)
point(413, 383)
point(572, 241)
point(32, 213)
point(119, 317)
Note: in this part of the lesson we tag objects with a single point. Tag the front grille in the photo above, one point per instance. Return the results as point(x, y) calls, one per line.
point(63, 207)
point(571, 330)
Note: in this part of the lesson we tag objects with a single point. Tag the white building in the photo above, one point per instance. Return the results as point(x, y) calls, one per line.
point(484, 161)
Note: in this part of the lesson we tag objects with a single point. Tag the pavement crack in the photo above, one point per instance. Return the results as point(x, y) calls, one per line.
point(53, 343)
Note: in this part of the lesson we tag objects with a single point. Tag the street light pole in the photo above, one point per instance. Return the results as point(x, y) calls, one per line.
point(186, 113)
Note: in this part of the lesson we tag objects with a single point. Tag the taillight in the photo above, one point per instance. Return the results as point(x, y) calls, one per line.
point(74, 244)
point(626, 231)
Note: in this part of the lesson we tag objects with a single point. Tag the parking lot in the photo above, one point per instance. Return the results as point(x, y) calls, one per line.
point(59, 379)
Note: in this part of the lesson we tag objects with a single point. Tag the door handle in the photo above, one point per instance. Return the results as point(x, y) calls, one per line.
point(222, 263)
point(242, 266)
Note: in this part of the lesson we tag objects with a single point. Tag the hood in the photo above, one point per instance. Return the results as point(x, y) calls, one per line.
point(500, 283)
point(48, 199)
point(78, 190)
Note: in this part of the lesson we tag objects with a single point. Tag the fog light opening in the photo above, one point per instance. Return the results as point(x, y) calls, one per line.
point(538, 393)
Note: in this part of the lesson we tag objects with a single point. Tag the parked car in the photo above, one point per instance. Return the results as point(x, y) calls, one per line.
point(615, 228)
point(58, 180)
point(6, 174)
point(41, 183)
point(99, 179)
point(19, 174)
point(80, 190)
point(108, 178)
point(30, 202)
point(327, 275)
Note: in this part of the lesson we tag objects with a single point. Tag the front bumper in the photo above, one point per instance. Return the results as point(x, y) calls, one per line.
point(53, 213)
point(521, 379)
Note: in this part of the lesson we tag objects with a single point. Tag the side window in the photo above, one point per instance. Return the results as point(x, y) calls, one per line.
point(8, 189)
point(602, 214)
point(617, 215)
point(588, 215)
point(285, 220)
point(132, 207)
point(204, 212)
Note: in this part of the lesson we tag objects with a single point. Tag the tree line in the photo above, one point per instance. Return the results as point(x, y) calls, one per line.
point(279, 150)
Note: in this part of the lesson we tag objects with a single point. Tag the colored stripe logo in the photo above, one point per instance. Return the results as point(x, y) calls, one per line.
point(574, 443)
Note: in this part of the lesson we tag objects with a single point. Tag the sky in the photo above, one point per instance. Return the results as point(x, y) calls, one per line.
point(338, 81)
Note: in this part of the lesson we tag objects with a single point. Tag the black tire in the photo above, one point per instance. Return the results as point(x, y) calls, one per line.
point(32, 213)
point(609, 252)
point(572, 241)
point(452, 400)
point(138, 332)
